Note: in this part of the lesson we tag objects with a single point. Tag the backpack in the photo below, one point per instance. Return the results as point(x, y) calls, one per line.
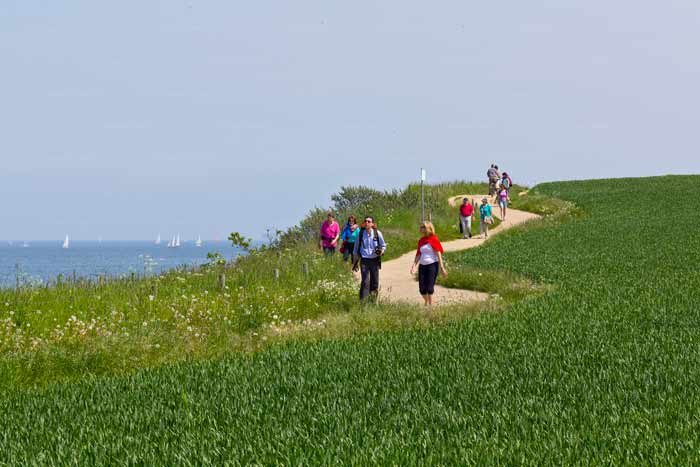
point(375, 238)
point(505, 183)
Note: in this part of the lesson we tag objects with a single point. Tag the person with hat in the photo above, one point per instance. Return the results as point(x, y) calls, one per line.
point(485, 217)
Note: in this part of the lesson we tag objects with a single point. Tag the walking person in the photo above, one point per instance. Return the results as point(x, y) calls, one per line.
point(485, 217)
point(466, 211)
point(503, 202)
point(369, 248)
point(429, 262)
point(330, 234)
point(506, 182)
point(348, 238)
point(493, 176)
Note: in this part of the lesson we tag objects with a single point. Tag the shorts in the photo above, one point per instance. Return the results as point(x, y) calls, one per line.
point(427, 276)
point(503, 203)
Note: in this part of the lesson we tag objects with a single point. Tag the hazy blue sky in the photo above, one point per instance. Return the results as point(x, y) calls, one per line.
point(125, 119)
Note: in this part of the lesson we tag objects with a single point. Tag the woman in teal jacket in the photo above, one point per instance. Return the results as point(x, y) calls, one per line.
point(348, 238)
point(485, 217)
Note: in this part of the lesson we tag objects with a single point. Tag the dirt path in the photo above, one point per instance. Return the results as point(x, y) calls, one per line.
point(398, 285)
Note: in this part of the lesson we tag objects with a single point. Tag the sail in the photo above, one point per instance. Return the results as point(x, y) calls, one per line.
point(66, 242)
point(177, 241)
point(199, 240)
point(158, 240)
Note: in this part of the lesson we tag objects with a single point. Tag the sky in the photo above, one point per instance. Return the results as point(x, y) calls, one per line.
point(123, 120)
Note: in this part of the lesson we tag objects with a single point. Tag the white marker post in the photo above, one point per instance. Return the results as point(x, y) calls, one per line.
point(423, 177)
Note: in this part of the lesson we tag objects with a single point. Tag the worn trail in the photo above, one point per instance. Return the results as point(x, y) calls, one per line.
point(398, 285)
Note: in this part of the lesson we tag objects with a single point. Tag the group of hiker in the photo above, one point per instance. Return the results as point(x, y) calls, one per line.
point(363, 244)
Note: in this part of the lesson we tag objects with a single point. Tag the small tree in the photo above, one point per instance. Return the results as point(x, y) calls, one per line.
point(239, 240)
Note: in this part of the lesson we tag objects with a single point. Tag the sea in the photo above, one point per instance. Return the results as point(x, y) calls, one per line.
point(36, 263)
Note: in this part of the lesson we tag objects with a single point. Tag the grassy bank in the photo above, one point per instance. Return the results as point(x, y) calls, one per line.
point(80, 328)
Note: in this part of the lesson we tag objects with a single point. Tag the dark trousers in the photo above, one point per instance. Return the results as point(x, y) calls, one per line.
point(427, 275)
point(329, 250)
point(347, 253)
point(369, 267)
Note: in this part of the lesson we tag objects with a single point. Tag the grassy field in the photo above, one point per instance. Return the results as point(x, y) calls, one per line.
point(600, 367)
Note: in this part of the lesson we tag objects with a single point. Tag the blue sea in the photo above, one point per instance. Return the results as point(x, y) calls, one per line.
point(39, 262)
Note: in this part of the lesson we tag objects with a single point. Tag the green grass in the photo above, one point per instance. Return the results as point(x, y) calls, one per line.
point(602, 368)
point(79, 328)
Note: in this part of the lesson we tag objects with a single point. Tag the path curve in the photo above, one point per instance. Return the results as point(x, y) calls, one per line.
point(398, 285)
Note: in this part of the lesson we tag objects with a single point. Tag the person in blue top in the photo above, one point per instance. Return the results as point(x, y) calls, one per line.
point(369, 248)
point(485, 217)
point(348, 237)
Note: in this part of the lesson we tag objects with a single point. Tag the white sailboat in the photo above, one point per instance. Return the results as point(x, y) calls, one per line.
point(177, 241)
point(66, 243)
point(198, 243)
point(158, 240)
point(171, 243)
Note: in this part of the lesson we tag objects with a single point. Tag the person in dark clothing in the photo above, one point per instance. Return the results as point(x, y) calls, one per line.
point(369, 248)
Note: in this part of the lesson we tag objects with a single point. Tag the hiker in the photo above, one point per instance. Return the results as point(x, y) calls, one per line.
point(485, 217)
point(429, 262)
point(348, 237)
point(330, 234)
point(493, 176)
point(506, 182)
point(369, 248)
point(503, 201)
point(466, 211)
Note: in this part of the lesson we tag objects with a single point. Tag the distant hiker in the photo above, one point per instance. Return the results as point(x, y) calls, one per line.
point(429, 262)
point(503, 201)
point(486, 218)
point(466, 211)
point(330, 234)
point(493, 176)
point(369, 248)
point(506, 181)
point(348, 237)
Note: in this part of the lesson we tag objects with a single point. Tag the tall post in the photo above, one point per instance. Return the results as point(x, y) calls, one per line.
point(422, 195)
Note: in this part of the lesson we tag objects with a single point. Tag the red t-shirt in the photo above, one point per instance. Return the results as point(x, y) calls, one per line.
point(466, 210)
point(434, 242)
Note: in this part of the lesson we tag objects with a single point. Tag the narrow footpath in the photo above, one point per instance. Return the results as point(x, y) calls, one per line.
point(398, 285)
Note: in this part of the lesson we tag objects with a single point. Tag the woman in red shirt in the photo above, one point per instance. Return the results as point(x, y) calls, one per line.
point(429, 262)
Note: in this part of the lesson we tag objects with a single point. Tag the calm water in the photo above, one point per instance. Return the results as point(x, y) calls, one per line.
point(42, 261)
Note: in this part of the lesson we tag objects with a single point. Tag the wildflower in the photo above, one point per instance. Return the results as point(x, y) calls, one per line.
point(189, 328)
point(145, 323)
point(151, 297)
point(157, 346)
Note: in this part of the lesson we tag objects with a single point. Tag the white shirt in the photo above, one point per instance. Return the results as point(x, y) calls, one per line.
point(428, 255)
